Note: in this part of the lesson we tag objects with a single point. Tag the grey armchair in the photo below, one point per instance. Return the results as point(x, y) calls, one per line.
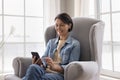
point(90, 34)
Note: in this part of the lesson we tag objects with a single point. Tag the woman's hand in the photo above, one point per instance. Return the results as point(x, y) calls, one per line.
point(49, 61)
point(38, 61)
point(53, 66)
point(33, 59)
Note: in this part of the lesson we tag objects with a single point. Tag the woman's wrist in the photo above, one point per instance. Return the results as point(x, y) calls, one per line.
point(57, 67)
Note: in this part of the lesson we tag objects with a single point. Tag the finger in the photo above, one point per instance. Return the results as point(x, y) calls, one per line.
point(39, 61)
point(36, 62)
point(48, 59)
point(33, 59)
point(49, 62)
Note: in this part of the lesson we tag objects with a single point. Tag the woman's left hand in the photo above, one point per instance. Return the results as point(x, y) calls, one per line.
point(54, 66)
point(49, 61)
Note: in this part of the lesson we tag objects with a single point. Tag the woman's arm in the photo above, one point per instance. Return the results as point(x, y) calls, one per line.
point(54, 66)
point(75, 53)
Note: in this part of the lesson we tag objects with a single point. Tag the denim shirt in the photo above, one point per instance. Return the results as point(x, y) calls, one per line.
point(69, 52)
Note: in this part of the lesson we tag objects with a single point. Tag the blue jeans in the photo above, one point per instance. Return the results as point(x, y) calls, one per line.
point(35, 72)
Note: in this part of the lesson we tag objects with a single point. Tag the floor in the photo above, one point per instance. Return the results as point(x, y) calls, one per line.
point(107, 78)
point(102, 78)
point(1, 77)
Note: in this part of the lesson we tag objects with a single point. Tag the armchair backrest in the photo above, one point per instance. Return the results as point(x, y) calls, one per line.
point(90, 34)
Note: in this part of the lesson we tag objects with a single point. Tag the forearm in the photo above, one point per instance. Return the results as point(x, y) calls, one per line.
point(58, 68)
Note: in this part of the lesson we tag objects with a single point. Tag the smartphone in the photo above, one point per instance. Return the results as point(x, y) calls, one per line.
point(35, 54)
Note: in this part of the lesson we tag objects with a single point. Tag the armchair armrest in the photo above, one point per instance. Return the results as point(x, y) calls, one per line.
point(77, 70)
point(20, 65)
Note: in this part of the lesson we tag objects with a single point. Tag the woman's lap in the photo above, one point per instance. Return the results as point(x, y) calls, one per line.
point(35, 72)
point(53, 76)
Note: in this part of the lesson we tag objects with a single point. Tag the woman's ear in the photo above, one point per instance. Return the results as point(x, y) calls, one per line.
point(69, 29)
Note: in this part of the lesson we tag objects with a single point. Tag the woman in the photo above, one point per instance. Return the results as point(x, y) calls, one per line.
point(59, 52)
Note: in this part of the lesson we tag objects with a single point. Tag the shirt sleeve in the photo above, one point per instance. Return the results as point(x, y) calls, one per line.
point(75, 53)
point(63, 66)
point(45, 54)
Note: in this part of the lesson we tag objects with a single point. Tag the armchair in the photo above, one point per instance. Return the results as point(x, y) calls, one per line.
point(90, 34)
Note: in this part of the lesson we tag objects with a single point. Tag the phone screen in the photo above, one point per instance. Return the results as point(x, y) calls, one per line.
point(35, 54)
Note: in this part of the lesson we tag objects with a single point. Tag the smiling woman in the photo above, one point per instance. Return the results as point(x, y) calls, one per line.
point(54, 60)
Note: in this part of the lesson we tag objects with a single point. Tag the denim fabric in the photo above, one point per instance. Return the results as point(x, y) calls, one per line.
point(35, 72)
point(69, 52)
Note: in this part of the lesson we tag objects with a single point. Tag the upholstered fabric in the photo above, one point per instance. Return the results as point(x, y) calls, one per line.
point(90, 34)
point(12, 77)
point(84, 70)
point(20, 65)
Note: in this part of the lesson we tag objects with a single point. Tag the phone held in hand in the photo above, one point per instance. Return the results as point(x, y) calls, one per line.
point(35, 54)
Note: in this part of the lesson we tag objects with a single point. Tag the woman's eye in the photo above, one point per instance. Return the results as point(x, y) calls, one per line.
point(61, 25)
point(56, 25)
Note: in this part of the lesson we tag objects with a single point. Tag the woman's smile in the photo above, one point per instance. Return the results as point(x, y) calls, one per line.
point(61, 27)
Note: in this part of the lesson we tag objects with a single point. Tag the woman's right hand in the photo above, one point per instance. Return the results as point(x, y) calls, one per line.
point(33, 59)
point(38, 61)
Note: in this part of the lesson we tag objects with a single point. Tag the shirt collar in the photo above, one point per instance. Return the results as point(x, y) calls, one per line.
point(67, 41)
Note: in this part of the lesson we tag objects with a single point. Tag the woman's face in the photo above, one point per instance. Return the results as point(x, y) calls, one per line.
point(61, 28)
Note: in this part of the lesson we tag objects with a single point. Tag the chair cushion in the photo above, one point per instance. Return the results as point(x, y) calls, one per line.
point(11, 77)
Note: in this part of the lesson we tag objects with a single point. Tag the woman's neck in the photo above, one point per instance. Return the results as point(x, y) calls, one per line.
point(63, 37)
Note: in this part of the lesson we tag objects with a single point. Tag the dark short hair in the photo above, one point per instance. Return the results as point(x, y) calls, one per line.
point(66, 19)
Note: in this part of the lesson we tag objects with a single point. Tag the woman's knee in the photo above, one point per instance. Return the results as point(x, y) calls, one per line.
point(35, 68)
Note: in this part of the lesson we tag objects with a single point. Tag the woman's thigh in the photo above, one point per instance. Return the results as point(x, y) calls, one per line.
point(53, 76)
point(34, 72)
